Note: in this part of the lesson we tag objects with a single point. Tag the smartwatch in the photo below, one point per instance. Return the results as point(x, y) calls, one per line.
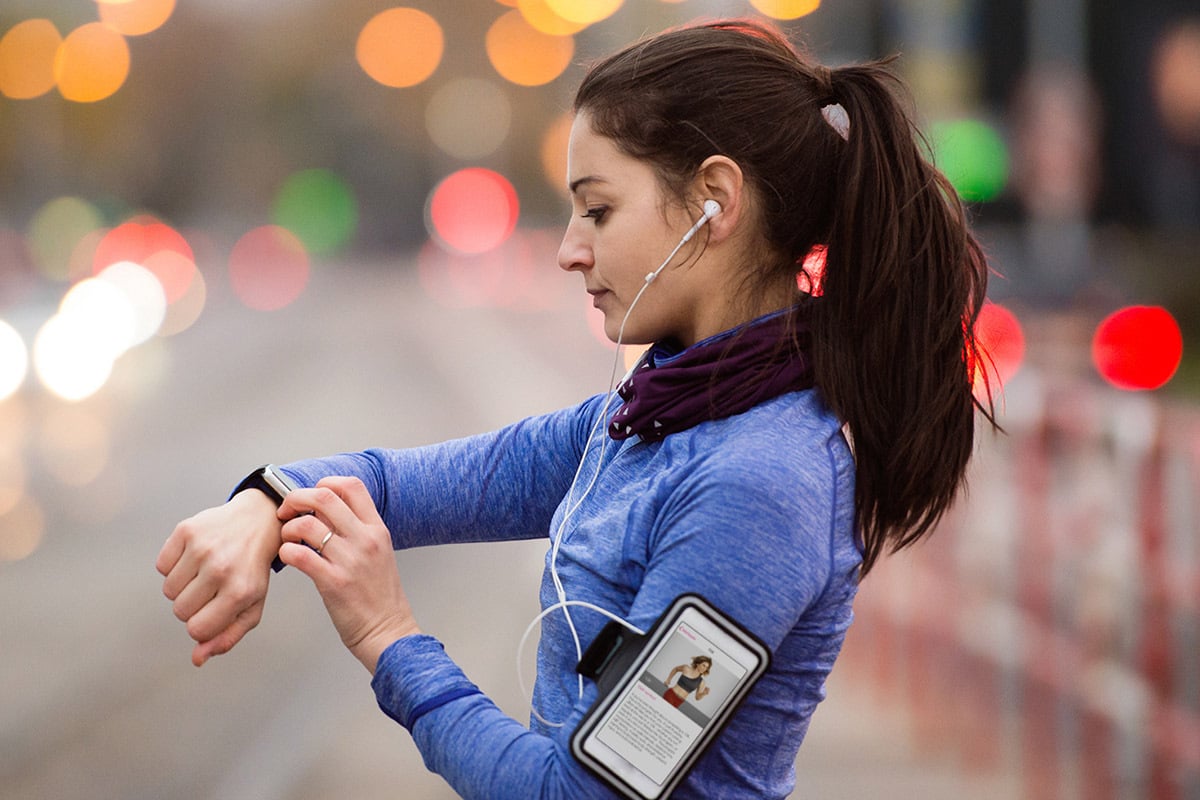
point(274, 484)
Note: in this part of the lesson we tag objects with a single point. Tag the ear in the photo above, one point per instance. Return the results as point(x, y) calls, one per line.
point(720, 178)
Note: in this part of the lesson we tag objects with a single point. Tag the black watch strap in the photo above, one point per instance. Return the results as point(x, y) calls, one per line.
point(257, 480)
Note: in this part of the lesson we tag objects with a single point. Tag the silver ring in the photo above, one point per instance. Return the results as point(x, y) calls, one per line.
point(325, 541)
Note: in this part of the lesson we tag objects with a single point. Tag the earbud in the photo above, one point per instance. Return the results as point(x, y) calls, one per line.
point(711, 209)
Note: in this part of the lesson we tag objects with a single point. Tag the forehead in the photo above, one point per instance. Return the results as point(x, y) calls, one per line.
point(593, 159)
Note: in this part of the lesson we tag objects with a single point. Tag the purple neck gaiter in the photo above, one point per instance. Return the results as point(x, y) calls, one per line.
point(726, 374)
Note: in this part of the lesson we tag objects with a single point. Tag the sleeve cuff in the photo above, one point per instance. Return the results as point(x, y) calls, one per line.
point(414, 676)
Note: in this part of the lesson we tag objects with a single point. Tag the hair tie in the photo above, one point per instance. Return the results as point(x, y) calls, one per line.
point(823, 78)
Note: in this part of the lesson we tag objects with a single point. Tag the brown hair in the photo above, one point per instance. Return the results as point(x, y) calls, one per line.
point(893, 329)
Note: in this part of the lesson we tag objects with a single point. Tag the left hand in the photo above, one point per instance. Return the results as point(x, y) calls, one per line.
point(356, 571)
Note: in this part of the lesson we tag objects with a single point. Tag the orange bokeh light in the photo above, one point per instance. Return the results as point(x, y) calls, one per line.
point(400, 47)
point(554, 152)
point(268, 268)
point(524, 55)
point(542, 17)
point(27, 54)
point(473, 210)
point(786, 9)
point(584, 12)
point(135, 17)
point(92, 63)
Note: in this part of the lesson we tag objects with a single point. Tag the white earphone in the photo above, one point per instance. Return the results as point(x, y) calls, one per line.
point(711, 209)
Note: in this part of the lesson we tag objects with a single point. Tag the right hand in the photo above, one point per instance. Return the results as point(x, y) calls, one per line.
point(217, 565)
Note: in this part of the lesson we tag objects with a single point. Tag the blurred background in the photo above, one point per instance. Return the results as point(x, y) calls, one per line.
point(234, 232)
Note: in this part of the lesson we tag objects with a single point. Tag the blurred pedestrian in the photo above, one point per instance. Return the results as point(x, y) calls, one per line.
point(788, 425)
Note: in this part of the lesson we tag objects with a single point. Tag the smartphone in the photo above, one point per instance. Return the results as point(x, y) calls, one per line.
point(692, 670)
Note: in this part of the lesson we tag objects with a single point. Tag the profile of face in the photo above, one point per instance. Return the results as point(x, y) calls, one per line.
point(622, 226)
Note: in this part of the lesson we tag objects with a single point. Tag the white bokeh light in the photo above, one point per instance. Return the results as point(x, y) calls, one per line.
point(14, 360)
point(145, 294)
point(70, 360)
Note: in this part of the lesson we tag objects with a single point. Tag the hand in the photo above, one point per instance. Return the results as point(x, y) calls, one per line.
point(217, 566)
point(355, 572)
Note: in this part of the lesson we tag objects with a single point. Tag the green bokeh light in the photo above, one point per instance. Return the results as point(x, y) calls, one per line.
point(319, 207)
point(973, 157)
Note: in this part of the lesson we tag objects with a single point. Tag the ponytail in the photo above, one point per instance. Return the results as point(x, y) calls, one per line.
point(893, 339)
point(903, 280)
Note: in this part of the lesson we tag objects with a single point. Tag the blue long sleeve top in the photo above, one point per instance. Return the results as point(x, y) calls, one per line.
point(753, 511)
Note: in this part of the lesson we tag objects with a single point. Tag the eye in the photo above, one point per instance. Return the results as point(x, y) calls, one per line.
point(596, 213)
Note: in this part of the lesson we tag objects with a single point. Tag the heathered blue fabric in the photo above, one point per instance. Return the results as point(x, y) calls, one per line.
point(754, 511)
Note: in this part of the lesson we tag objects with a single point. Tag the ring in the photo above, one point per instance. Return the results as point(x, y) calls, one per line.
point(325, 541)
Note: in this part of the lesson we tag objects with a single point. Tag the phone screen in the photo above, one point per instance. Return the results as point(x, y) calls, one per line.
point(645, 734)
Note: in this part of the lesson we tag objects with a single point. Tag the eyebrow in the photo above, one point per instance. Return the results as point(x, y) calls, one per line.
point(575, 184)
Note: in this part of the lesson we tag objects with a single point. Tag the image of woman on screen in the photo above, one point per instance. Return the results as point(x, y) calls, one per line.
point(691, 679)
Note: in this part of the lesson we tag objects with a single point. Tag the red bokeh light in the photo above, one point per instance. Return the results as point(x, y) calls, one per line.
point(268, 268)
point(472, 211)
point(1001, 343)
point(154, 245)
point(1138, 347)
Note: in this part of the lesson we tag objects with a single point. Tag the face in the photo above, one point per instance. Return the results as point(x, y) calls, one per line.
point(622, 227)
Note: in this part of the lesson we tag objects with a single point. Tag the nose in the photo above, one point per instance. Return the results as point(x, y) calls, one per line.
point(575, 251)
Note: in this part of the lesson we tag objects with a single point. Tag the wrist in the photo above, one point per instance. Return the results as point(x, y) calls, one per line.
point(267, 533)
point(371, 648)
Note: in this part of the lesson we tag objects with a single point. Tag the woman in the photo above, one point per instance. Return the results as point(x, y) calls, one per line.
point(725, 466)
point(691, 679)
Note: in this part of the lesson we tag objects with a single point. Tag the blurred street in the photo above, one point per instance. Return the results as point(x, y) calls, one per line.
point(100, 698)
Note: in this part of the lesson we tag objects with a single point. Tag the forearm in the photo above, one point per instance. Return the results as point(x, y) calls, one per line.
point(466, 738)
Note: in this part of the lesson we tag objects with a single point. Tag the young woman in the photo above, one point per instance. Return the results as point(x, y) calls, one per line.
point(770, 446)
point(691, 679)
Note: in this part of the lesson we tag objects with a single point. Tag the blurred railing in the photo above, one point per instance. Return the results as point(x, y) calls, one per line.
point(1050, 629)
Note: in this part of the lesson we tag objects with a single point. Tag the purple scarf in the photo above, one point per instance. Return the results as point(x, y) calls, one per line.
point(723, 375)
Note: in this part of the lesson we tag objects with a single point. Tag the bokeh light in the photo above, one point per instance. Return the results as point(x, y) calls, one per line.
point(1176, 79)
point(785, 9)
point(92, 63)
point(12, 480)
point(54, 232)
point(14, 360)
point(524, 55)
point(144, 292)
point(21, 530)
point(103, 309)
point(1001, 342)
point(400, 47)
point(154, 245)
point(584, 12)
point(184, 312)
point(542, 17)
point(469, 118)
point(554, 152)
point(973, 156)
point(268, 268)
point(69, 359)
point(319, 207)
point(27, 53)
point(135, 17)
point(472, 211)
point(1138, 347)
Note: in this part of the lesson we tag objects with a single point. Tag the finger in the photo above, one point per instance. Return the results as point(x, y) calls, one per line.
point(309, 530)
point(225, 606)
point(224, 641)
point(325, 504)
point(194, 597)
point(354, 494)
point(307, 561)
point(169, 555)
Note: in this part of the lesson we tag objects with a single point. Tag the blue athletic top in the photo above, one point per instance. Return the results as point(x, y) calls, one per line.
point(755, 512)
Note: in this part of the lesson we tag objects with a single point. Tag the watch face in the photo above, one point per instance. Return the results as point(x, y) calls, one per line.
point(279, 483)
